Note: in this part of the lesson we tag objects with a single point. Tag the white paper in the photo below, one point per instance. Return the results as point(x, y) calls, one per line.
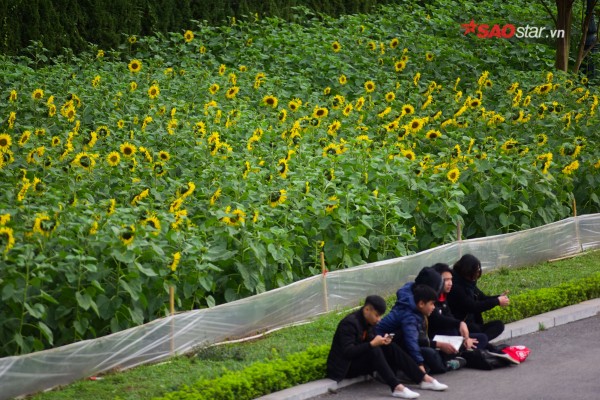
point(455, 341)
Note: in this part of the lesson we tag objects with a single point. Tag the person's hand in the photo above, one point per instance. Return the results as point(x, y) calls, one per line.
point(470, 343)
point(446, 348)
point(503, 300)
point(381, 340)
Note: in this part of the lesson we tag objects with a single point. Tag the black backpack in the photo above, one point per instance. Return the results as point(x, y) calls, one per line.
point(486, 360)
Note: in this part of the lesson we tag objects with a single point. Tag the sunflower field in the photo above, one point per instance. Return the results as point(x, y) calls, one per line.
point(223, 160)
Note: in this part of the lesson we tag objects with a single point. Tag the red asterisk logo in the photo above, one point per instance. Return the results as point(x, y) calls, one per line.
point(470, 27)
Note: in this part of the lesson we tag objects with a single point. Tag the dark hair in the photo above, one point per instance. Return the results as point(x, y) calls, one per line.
point(430, 277)
point(441, 268)
point(377, 302)
point(424, 293)
point(468, 267)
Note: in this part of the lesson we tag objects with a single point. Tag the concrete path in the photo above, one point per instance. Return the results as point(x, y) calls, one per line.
point(564, 364)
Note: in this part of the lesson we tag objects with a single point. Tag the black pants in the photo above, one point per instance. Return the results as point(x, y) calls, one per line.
point(492, 329)
point(386, 360)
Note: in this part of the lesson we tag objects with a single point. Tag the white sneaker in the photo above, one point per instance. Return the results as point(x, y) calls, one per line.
point(433, 385)
point(405, 393)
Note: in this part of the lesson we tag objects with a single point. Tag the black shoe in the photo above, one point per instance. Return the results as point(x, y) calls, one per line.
point(461, 361)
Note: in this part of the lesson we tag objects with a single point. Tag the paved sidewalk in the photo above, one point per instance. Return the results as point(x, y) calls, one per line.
point(513, 330)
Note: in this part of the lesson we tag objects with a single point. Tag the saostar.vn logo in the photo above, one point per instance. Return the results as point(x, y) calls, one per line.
point(508, 31)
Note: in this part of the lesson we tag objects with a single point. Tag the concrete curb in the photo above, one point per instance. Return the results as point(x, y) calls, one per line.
point(547, 320)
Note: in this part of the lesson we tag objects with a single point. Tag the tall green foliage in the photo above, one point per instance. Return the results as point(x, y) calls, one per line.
point(72, 24)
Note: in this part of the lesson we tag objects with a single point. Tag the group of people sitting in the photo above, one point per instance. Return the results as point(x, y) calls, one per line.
point(441, 301)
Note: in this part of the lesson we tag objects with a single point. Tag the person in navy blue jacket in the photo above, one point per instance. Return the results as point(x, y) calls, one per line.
point(409, 320)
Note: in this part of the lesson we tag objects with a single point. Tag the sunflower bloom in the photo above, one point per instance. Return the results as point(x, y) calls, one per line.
point(138, 198)
point(571, 168)
point(127, 235)
point(135, 66)
point(370, 86)
point(153, 91)
point(215, 197)
point(334, 203)
point(44, 225)
point(7, 238)
point(128, 149)
point(5, 142)
point(270, 101)
point(277, 197)
point(113, 159)
point(188, 36)
point(175, 262)
point(453, 175)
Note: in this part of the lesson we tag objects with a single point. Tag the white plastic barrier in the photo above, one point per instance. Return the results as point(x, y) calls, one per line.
point(299, 301)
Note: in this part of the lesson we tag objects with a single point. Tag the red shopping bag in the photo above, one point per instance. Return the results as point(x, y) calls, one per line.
point(519, 353)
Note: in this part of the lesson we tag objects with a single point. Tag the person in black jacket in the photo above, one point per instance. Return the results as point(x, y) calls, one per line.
point(467, 302)
point(356, 350)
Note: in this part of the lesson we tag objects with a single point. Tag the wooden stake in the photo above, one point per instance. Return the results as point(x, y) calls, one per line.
point(172, 309)
point(172, 300)
point(324, 279)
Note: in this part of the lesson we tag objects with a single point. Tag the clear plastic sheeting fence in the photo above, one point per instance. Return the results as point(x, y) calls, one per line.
point(299, 301)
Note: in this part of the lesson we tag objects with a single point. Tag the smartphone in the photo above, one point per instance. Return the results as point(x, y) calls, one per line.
point(391, 335)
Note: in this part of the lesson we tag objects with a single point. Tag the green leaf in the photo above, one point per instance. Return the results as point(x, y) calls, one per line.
point(47, 332)
point(144, 270)
point(8, 291)
point(48, 298)
point(84, 300)
point(36, 311)
point(134, 294)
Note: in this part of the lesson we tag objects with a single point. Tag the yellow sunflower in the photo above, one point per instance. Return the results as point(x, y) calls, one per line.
point(320, 112)
point(369, 86)
point(37, 94)
point(342, 79)
point(238, 217)
point(153, 91)
point(84, 160)
point(433, 134)
point(128, 149)
point(44, 225)
point(188, 36)
point(127, 235)
point(139, 197)
point(232, 92)
point(215, 196)
point(453, 175)
point(135, 66)
point(295, 104)
point(113, 158)
point(152, 221)
point(7, 238)
point(270, 101)
point(5, 142)
point(336, 46)
point(214, 88)
point(399, 66)
point(277, 197)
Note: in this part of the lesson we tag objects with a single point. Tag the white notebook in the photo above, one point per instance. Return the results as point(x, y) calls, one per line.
point(455, 341)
